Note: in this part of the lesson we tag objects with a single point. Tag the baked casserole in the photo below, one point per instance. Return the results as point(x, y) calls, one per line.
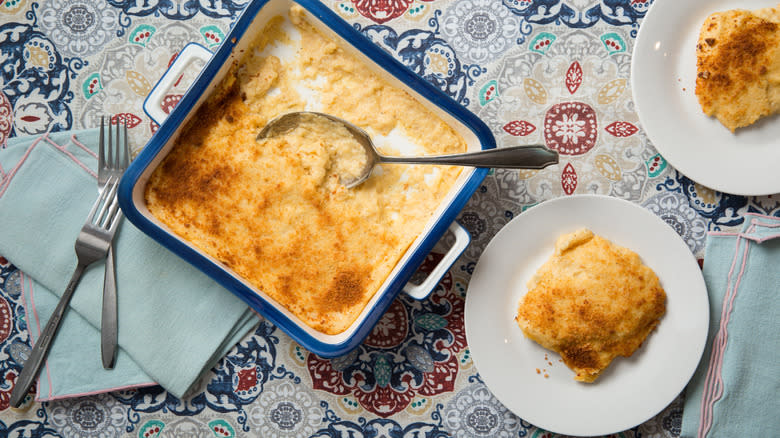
point(273, 211)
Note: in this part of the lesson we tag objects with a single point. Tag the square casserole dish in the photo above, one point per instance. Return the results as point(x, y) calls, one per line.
point(257, 14)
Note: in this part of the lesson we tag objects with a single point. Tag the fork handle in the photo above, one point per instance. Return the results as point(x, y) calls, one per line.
point(108, 320)
point(41, 348)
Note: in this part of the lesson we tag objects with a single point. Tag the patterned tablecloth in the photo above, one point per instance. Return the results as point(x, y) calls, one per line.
point(552, 71)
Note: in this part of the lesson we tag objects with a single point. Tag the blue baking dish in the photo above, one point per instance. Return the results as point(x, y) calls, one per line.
point(131, 190)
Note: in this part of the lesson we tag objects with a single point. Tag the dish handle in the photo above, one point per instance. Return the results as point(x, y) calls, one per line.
point(422, 290)
point(153, 105)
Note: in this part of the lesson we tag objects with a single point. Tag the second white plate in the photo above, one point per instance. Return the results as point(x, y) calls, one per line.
point(663, 81)
point(631, 390)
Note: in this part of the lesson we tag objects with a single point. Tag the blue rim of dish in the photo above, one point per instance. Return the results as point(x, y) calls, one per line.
point(260, 305)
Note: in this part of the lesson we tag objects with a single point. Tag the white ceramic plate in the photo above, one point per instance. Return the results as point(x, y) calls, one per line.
point(631, 390)
point(663, 80)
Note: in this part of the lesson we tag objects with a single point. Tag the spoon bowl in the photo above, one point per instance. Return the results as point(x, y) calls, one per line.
point(516, 157)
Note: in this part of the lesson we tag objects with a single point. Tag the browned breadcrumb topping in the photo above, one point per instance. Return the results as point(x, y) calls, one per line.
point(270, 211)
point(735, 52)
point(591, 302)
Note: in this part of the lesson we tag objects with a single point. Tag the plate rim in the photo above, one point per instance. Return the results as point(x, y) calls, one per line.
point(697, 344)
point(724, 182)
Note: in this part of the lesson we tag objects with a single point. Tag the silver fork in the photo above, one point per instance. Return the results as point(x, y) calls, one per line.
point(91, 246)
point(112, 162)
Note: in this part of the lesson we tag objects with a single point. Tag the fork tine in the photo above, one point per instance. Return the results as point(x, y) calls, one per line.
point(98, 202)
point(101, 217)
point(101, 145)
point(126, 150)
point(113, 207)
point(117, 214)
point(117, 148)
point(109, 152)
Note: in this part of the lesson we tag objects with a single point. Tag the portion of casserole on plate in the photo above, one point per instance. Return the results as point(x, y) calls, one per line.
point(738, 66)
point(591, 302)
point(273, 211)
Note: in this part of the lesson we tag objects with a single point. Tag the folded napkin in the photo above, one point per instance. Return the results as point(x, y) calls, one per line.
point(174, 321)
point(735, 389)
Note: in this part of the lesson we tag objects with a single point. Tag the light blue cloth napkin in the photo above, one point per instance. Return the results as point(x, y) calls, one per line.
point(174, 321)
point(736, 389)
point(79, 338)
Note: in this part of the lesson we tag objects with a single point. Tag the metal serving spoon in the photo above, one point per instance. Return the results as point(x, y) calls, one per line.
point(517, 157)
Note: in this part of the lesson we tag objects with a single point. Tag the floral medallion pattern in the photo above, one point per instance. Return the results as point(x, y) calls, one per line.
point(475, 412)
point(101, 416)
point(553, 72)
point(480, 29)
point(570, 93)
point(570, 128)
point(78, 28)
point(285, 411)
point(676, 211)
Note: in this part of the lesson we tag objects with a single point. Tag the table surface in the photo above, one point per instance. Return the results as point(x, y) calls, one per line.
point(512, 63)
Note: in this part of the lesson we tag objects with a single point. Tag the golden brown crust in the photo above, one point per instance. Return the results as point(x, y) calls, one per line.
point(273, 211)
point(591, 302)
point(738, 66)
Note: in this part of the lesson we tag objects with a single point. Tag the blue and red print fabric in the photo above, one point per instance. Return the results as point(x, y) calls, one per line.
point(547, 71)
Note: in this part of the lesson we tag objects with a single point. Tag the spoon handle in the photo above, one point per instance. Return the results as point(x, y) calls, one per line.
point(516, 157)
